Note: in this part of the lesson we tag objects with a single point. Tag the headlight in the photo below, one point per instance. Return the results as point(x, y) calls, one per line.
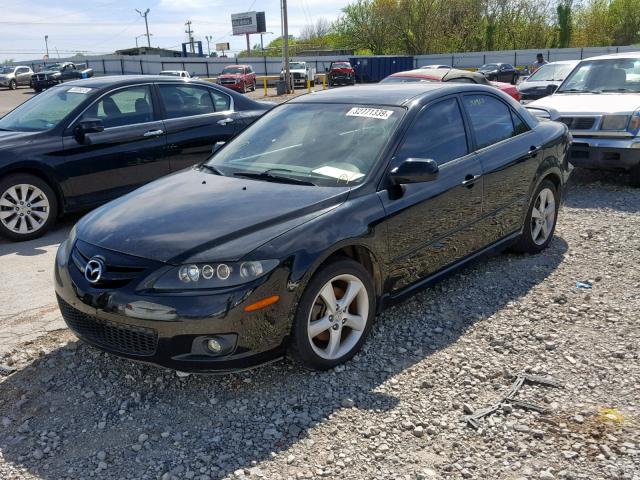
point(213, 275)
point(614, 122)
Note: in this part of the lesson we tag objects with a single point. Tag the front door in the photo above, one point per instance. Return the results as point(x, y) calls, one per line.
point(128, 153)
point(430, 225)
point(196, 118)
point(508, 150)
point(23, 76)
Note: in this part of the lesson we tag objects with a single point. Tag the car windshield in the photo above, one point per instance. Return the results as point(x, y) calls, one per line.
point(297, 66)
point(341, 65)
point(394, 79)
point(321, 144)
point(4, 70)
point(620, 75)
point(46, 110)
point(489, 66)
point(53, 66)
point(551, 72)
point(233, 70)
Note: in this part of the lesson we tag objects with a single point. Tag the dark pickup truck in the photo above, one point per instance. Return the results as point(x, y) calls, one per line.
point(58, 73)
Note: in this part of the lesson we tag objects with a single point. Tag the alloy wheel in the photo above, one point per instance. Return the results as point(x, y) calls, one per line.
point(24, 209)
point(543, 216)
point(338, 317)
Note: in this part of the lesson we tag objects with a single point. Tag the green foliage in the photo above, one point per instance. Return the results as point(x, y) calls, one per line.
point(564, 24)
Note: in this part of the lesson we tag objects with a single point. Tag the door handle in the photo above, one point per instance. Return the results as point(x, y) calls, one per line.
point(224, 121)
point(153, 133)
point(470, 180)
point(533, 150)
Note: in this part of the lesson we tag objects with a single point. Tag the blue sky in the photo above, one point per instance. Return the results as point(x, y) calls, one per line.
point(100, 26)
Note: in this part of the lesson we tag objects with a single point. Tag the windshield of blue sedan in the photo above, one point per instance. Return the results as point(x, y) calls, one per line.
point(614, 75)
point(323, 144)
point(46, 110)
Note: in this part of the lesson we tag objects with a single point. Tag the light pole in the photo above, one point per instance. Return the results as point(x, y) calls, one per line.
point(146, 23)
point(46, 44)
point(262, 42)
point(208, 38)
point(285, 47)
point(142, 35)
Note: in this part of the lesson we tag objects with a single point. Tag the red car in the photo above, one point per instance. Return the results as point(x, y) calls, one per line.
point(241, 78)
point(450, 75)
point(341, 73)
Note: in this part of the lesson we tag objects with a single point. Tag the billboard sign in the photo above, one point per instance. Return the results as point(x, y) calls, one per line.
point(222, 46)
point(248, 22)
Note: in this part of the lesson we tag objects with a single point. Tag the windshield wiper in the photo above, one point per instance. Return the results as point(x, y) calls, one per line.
point(270, 177)
point(212, 169)
point(617, 90)
point(577, 90)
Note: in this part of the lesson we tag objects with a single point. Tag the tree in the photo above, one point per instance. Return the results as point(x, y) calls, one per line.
point(368, 25)
point(565, 24)
point(625, 17)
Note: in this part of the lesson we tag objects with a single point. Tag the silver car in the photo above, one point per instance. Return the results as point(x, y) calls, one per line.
point(15, 76)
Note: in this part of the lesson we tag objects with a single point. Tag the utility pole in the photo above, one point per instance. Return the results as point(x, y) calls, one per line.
point(208, 38)
point(146, 23)
point(248, 46)
point(46, 44)
point(189, 32)
point(285, 45)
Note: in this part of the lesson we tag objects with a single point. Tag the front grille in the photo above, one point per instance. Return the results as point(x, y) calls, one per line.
point(578, 123)
point(117, 273)
point(227, 82)
point(113, 336)
point(42, 77)
point(298, 76)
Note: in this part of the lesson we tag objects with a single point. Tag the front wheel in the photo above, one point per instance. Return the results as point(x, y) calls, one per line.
point(334, 315)
point(28, 207)
point(540, 222)
point(13, 85)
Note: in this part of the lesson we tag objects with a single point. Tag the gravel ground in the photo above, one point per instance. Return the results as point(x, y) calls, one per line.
point(395, 411)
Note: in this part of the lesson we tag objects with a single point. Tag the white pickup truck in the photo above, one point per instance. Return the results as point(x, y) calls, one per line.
point(301, 72)
point(600, 103)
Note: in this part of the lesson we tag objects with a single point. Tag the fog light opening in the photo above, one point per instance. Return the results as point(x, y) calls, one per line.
point(215, 346)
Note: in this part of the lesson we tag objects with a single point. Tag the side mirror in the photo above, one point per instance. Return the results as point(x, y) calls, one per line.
point(552, 88)
point(90, 125)
point(217, 146)
point(414, 170)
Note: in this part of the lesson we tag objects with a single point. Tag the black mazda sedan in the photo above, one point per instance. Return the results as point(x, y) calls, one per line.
point(82, 143)
point(295, 234)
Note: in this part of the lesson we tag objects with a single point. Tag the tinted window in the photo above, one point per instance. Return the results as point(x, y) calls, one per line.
point(126, 106)
point(519, 125)
point(188, 100)
point(22, 70)
point(438, 133)
point(490, 119)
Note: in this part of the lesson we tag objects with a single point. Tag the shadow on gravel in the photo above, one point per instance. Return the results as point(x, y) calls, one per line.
point(76, 401)
point(35, 247)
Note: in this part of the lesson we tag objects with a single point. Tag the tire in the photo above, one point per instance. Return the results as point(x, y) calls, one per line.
point(339, 342)
point(533, 238)
point(244, 87)
point(24, 224)
point(634, 176)
point(37, 89)
point(13, 85)
point(253, 86)
point(514, 79)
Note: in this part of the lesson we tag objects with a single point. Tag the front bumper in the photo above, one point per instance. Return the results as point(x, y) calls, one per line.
point(232, 86)
point(171, 329)
point(44, 83)
point(604, 153)
point(4, 82)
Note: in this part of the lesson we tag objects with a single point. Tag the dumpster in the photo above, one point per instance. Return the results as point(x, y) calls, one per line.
point(281, 87)
point(374, 69)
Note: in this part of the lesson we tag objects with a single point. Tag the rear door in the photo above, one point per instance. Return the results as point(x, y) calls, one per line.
point(23, 75)
point(128, 153)
point(195, 118)
point(430, 225)
point(508, 150)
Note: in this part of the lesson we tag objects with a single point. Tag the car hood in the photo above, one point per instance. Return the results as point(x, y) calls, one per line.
point(197, 216)
point(231, 75)
point(49, 72)
point(594, 103)
point(11, 139)
point(537, 85)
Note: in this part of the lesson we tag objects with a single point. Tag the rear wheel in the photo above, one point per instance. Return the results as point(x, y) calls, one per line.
point(13, 85)
point(28, 207)
point(541, 219)
point(334, 315)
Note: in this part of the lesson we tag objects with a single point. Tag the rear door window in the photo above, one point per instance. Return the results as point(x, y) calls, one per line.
point(490, 119)
point(189, 100)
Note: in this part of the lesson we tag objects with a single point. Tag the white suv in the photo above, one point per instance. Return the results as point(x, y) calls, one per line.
point(600, 103)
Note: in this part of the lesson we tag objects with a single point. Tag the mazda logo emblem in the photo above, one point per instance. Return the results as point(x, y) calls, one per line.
point(94, 270)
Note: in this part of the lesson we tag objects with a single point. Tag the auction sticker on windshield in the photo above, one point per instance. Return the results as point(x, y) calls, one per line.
point(79, 90)
point(370, 113)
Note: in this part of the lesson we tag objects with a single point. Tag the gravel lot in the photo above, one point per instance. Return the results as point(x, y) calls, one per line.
point(397, 410)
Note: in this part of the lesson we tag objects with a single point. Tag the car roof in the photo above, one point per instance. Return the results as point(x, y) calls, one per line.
point(240, 65)
point(108, 81)
point(629, 55)
point(391, 94)
point(439, 73)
